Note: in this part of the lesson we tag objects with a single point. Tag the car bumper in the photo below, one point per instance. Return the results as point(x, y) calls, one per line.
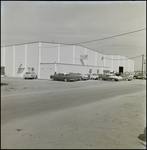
point(26, 77)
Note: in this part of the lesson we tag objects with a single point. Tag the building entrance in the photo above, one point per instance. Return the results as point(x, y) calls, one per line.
point(121, 69)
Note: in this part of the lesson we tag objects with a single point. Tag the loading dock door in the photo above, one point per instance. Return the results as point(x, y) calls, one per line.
point(121, 69)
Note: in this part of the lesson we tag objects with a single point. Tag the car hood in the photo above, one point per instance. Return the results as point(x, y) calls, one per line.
point(116, 77)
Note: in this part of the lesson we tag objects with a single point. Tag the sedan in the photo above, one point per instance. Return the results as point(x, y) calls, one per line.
point(112, 77)
point(83, 76)
point(127, 77)
point(94, 76)
point(64, 77)
point(30, 75)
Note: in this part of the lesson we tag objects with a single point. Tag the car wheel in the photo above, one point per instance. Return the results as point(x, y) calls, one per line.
point(65, 80)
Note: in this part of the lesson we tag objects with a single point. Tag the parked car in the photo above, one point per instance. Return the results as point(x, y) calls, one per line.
point(135, 76)
point(83, 76)
point(94, 76)
point(141, 76)
point(2, 71)
point(77, 75)
point(127, 76)
point(109, 76)
point(64, 77)
point(30, 75)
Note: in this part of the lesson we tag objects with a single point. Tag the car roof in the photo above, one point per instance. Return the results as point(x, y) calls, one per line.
point(63, 73)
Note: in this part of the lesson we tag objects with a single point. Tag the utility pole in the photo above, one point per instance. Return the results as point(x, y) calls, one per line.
point(142, 63)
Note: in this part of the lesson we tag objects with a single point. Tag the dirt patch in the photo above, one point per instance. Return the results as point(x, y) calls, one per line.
point(113, 123)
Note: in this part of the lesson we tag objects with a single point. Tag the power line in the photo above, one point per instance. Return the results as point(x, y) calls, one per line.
point(67, 44)
point(78, 44)
point(111, 36)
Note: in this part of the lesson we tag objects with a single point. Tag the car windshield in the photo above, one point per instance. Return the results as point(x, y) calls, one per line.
point(112, 75)
point(28, 72)
point(60, 74)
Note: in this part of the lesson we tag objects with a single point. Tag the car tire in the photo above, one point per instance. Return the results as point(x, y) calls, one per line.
point(65, 80)
point(80, 79)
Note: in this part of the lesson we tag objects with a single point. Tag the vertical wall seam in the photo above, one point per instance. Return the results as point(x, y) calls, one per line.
point(118, 63)
point(112, 63)
point(95, 58)
point(104, 59)
point(74, 54)
point(129, 66)
point(14, 61)
point(58, 53)
point(39, 59)
point(4, 56)
point(25, 57)
point(85, 54)
point(124, 64)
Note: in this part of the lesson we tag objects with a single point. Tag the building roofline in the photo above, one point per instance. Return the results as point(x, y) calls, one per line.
point(61, 43)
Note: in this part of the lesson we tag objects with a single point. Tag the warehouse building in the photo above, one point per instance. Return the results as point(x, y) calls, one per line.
point(46, 58)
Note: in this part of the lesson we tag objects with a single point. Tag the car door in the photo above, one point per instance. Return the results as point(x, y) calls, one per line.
point(107, 77)
point(59, 76)
point(62, 76)
point(33, 74)
point(67, 76)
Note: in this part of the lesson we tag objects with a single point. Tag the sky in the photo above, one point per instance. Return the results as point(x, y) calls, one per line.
point(77, 23)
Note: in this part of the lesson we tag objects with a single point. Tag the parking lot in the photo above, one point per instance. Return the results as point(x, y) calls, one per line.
point(13, 85)
point(83, 114)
